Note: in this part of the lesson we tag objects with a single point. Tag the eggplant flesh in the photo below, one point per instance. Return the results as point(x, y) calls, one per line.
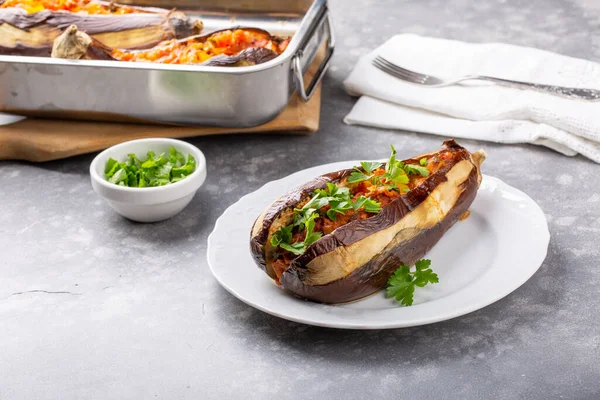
point(357, 259)
point(74, 44)
point(33, 34)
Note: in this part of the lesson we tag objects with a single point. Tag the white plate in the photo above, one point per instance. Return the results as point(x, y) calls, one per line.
point(479, 260)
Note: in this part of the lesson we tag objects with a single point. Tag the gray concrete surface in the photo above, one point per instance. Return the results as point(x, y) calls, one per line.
point(95, 307)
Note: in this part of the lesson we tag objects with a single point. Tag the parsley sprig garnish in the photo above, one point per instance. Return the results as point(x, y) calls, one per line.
point(402, 283)
point(395, 176)
point(415, 169)
point(339, 201)
point(368, 167)
point(283, 237)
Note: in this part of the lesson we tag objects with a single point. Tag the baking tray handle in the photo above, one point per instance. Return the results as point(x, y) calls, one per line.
point(306, 94)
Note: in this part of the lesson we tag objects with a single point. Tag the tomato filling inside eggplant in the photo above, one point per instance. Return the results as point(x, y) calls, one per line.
point(360, 195)
point(76, 6)
point(191, 51)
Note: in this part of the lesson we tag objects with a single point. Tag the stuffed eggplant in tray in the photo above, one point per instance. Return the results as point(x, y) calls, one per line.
point(100, 30)
point(29, 27)
point(341, 236)
point(228, 47)
point(91, 7)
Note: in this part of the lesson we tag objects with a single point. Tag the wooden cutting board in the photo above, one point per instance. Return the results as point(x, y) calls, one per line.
point(37, 139)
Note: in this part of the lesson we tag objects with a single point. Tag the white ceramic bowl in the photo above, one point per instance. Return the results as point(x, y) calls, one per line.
point(150, 204)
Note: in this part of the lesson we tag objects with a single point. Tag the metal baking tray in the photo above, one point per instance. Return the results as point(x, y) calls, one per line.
point(179, 94)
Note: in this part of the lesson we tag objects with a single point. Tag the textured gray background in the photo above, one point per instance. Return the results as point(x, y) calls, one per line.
point(145, 319)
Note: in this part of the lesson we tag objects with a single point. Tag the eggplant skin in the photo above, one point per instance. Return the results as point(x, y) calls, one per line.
point(250, 56)
point(33, 34)
point(357, 259)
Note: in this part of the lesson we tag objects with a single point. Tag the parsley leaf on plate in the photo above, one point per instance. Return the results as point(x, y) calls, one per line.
point(424, 274)
point(401, 284)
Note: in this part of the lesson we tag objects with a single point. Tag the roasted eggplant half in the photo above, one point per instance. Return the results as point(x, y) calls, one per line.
point(229, 47)
point(77, 6)
point(22, 33)
point(339, 237)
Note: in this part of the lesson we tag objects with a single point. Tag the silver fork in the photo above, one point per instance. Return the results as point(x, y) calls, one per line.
point(432, 81)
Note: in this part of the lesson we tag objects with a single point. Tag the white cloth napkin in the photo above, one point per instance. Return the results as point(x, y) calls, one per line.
point(479, 110)
point(6, 119)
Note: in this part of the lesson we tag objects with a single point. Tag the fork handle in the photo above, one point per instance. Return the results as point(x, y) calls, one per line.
point(572, 93)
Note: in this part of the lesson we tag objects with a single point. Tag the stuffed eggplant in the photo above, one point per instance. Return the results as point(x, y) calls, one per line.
point(228, 47)
point(341, 236)
point(76, 6)
point(33, 34)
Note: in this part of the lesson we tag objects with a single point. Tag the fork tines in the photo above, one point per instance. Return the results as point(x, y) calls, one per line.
point(399, 72)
